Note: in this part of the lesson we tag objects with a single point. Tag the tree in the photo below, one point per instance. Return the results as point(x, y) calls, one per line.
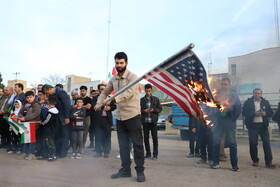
point(53, 79)
point(1, 85)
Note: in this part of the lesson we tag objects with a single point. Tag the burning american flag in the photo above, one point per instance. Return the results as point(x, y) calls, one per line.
point(183, 78)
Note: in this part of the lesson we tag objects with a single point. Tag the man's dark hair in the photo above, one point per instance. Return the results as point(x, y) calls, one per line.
point(40, 91)
point(39, 85)
point(52, 100)
point(99, 85)
point(80, 98)
point(226, 79)
point(121, 55)
point(46, 87)
point(257, 89)
point(28, 93)
point(147, 86)
point(92, 91)
point(83, 87)
point(20, 85)
point(59, 86)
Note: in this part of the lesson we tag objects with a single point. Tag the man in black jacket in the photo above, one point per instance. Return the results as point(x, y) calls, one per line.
point(257, 112)
point(102, 121)
point(150, 108)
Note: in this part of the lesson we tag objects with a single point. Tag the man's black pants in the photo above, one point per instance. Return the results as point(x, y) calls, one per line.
point(126, 130)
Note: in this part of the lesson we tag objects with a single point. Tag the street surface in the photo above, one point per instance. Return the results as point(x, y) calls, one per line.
point(172, 168)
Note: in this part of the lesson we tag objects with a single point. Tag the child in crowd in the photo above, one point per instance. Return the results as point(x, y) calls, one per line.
point(77, 128)
point(15, 137)
point(29, 112)
point(50, 128)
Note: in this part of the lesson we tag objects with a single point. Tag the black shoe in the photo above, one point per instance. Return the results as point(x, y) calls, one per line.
point(141, 177)
point(90, 146)
point(52, 159)
point(122, 173)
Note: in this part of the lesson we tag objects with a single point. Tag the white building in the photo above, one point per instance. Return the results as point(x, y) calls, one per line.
point(259, 69)
point(73, 82)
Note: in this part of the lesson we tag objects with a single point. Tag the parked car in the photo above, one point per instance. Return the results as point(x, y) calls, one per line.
point(161, 121)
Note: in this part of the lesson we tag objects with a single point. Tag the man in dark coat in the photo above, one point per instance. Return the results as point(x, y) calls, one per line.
point(257, 112)
point(150, 108)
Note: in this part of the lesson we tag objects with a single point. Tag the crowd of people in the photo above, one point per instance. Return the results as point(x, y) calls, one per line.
point(63, 123)
point(209, 141)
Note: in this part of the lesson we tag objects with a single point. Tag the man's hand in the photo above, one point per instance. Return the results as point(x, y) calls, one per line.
point(263, 113)
point(194, 130)
point(21, 119)
point(66, 120)
point(1, 112)
point(107, 108)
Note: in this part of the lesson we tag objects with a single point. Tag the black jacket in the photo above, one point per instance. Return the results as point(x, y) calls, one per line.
point(155, 104)
point(63, 104)
point(51, 123)
point(97, 114)
point(249, 112)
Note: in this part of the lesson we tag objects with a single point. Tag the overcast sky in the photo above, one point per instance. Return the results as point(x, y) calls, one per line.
point(43, 37)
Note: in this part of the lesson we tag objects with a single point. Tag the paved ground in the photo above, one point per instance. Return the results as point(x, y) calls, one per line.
point(172, 168)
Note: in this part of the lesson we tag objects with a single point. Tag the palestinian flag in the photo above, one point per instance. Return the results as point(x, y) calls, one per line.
point(29, 135)
point(17, 127)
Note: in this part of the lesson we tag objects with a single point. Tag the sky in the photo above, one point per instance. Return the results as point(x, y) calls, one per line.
point(39, 38)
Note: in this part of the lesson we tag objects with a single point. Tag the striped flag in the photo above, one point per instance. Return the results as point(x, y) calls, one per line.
point(18, 128)
point(29, 135)
point(178, 77)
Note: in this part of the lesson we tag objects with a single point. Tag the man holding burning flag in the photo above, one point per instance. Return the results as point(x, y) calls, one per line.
point(129, 125)
point(231, 109)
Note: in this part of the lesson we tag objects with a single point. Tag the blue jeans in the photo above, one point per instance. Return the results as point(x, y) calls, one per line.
point(259, 129)
point(229, 130)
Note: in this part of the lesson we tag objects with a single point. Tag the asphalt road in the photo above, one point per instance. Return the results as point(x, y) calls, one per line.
point(172, 168)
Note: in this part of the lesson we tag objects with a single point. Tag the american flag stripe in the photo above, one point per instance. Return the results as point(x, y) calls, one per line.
point(177, 85)
point(182, 93)
point(179, 93)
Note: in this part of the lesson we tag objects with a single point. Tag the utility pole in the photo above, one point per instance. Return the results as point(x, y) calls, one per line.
point(276, 23)
point(16, 73)
point(209, 64)
point(108, 42)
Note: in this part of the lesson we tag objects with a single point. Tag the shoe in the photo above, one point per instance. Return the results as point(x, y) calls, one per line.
point(197, 155)
point(122, 173)
point(52, 159)
point(190, 155)
point(236, 169)
point(98, 155)
point(118, 156)
point(78, 156)
point(73, 155)
point(141, 177)
point(201, 161)
point(131, 156)
point(215, 166)
point(30, 157)
point(210, 162)
point(155, 157)
point(270, 165)
point(11, 152)
point(255, 164)
point(147, 156)
point(90, 146)
point(18, 152)
point(106, 155)
point(22, 156)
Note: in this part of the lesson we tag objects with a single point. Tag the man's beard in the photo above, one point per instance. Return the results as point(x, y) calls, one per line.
point(121, 70)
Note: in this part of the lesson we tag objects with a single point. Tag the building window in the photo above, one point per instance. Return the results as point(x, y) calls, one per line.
point(233, 69)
